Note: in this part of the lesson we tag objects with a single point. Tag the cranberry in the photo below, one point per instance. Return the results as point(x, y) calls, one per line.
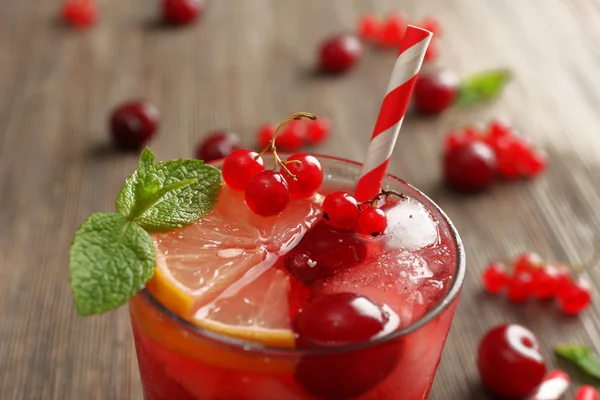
point(308, 173)
point(368, 27)
point(133, 124)
point(587, 392)
point(240, 166)
point(265, 134)
point(341, 210)
point(182, 12)
point(340, 53)
point(470, 167)
point(435, 91)
point(520, 286)
point(317, 131)
point(217, 145)
point(291, 137)
point(546, 282)
point(298, 297)
point(339, 319)
point(495, 278)
point(267, 193)
point(303, 268)
point(80, 13)
point(330, 249)
point(509, 361)
point(575, 297)
point(343, 319)
point(371, 221)
point(392, 30)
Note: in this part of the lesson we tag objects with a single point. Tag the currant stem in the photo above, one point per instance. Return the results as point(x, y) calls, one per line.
point(591, 262)
point(384, 193)
point(271, 146)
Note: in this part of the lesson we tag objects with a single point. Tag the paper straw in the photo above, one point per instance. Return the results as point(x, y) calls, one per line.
point(391, 114)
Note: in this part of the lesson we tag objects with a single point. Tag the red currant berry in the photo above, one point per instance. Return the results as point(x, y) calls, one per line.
point(308, 173)
point(435, 91)
point(495, 278)
point(470, 167)
point(217, 145)
point(496, 131)
point(292, 136)
point(520, 286)
point(510, 151)
point(342, 319)
point(322, 251)
point(533, 163)
point(392, 31)
point(564, 279)
point(341, 210)
point(528, 262)
point(182, 12)
point(265, 134)
point(371, 221)
point(340, 53)
point(587, 392)
point(509, 361)
point(576, 297)
point(240, 166)
point(80, 13)
point(267, 193)
point(317, 131)
point(432, 25)
point(546, 282)
point(368, 27)
point(133, 124)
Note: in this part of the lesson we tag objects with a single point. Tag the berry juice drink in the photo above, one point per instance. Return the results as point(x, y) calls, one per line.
point(244, 307)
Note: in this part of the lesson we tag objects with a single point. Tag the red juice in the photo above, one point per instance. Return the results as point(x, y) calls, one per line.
point(228, 336)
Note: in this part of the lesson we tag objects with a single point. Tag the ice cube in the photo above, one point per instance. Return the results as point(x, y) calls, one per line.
point(410, 226)
point(394, 278)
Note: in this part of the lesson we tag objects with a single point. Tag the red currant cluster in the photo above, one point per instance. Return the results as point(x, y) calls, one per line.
point(295, 134)
point(84, 13)
point(268, 192)
point(389, 32)
point(532, 277)
point(342, 211)
point(473, 160)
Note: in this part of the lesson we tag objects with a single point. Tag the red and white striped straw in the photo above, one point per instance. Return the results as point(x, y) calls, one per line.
point(391, 114)
point(553, 387)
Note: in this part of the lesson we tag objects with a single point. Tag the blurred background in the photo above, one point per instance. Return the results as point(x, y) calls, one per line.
point(244, 63)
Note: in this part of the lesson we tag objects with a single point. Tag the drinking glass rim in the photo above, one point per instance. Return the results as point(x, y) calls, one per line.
point(246, 345)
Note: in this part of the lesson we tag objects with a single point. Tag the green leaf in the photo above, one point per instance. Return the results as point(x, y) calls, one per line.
point(111, 259)
point(169, 194)
point(482, 87)
point(581, 356)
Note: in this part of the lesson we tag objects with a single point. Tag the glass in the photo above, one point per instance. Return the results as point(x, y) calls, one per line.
point(179, 360)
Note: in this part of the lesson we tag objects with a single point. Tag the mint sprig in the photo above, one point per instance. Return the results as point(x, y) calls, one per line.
point(582, 357)
point(112, 255)
point(484, 86)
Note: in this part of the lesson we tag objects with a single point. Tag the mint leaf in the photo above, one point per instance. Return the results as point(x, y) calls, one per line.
point(169, 194)
point(581, 356)
point(481, 87)
point(111, 259)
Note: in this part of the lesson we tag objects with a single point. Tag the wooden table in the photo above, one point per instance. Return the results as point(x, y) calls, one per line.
point(245, 63)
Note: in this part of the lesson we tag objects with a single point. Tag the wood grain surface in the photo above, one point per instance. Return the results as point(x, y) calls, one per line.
point(245, 63)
